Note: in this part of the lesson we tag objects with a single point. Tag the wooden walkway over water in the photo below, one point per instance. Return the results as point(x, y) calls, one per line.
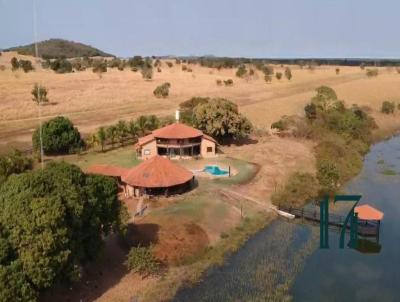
point(365, 228)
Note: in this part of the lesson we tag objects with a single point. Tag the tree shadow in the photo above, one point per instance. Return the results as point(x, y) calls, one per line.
point(100, 275)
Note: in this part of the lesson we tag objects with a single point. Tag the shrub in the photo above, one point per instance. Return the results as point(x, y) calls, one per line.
point(61, 66)
point(328, 175)
point(39, 94)
point(337, 70)
point(141, 260)
point(59, 136)
point(169, 64)
point(288, 73)
point(228, 82)
point(268, 78)
point(372, 72)
point(158, 69)
point(219, 82)
point(147, 72)
point(162, 91)
point(278, 75)
point(177, 61)
point(99, 66)
point(14, 63)
point(311, 111)
point(387, 107)
point(184, 67)
point(242, 71)
point(299, 189)
point(26, 65)
point(2, 67)
point(13, 163)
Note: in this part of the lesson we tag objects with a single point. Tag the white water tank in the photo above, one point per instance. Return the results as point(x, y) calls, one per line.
point(177, 116)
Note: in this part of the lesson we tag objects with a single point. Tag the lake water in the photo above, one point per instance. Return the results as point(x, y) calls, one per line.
point(284, 259)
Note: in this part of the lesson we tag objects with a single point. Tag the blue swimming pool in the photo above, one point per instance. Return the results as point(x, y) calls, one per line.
point(215, 170)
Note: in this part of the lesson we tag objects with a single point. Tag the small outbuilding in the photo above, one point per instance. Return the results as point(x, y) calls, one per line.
point(155, 176)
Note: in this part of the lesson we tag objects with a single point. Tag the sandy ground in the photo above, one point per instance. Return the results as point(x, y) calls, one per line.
point(90, 100)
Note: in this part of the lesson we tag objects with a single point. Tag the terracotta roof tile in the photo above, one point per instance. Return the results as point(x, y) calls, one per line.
point(366, 212)
point(157, 172)
point(177, 131)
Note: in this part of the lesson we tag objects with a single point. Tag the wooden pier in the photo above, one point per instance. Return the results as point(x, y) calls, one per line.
point(365, 228)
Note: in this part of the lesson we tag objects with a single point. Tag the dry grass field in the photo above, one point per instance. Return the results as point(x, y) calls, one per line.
point(90, 100)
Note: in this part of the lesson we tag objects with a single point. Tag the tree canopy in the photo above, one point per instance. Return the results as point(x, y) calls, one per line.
point(59, 136)
point(52, 221)
point(221, 119)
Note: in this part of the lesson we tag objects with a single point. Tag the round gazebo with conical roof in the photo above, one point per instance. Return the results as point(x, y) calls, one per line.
point(157, 176)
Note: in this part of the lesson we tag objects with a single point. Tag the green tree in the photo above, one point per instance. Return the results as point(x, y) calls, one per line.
point(328, 175)
point(102, 137)
point(221, 119)
point(147, 72)
point(122, 131)
point(187, 107)
point(288, 73)
point(99, 66)
point(55, 220)
point(133, 129)
point(59, 136)
point(14, 63)
point(39, 94)
point(61, 65)
point(13, 163)
point(325, 99)
point(278, 75)
point(112, 133)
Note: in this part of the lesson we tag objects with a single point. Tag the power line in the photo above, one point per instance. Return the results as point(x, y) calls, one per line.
point(39, 95)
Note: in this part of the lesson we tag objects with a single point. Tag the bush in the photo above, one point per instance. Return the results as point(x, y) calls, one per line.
point(288, 73)
point(159, 69)
point(13, 163)
point(141, 260)
point(242, 71)
point(268, 78)
point(59, 136)
point(299, 189)
point(328, 175)
point(14, 63)
point(228, 82)
point(99, 66)
point(219, 82)
point(278, 75)
point(337, 70)
point(184, 67)
point(61, 66)
point(162, 91)
point(26, 65)
point(147, 72)
point(39, 94)
point(387, 107)
point(169, 64)
point(372, 72)
point(2, 67)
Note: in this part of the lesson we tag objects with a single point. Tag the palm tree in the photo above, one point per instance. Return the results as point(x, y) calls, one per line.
point(92, 140)
point(101, 137)
point(122, 130)
point(112, 134)
point(133, 128)
point(141, 123)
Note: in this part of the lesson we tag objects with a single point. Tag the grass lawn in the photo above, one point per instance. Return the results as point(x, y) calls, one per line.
point(123, 157)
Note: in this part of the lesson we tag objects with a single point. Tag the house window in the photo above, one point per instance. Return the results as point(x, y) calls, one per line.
point(209, 149)
point(146, 152)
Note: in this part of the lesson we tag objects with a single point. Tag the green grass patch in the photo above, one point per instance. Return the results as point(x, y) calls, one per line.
point(123, 157)
point(389, 172)
point(380, 162)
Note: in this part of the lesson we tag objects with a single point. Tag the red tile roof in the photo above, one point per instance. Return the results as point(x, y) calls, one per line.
point(157, 172)
point(145, 139)
point(107, 170)
point(366, 212)
point(177, 131)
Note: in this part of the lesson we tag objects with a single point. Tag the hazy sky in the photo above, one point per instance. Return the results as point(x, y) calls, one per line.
point(251, 28)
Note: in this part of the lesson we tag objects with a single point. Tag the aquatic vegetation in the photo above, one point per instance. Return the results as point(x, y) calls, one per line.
point(389, 172)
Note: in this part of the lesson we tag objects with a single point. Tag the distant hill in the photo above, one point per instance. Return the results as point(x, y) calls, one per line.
point(55, 48)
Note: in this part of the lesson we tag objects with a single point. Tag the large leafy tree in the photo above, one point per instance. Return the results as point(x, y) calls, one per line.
point(58, 135)
point(187, 107)
point(51, 222)
point(13, 163)
point(221, 119)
